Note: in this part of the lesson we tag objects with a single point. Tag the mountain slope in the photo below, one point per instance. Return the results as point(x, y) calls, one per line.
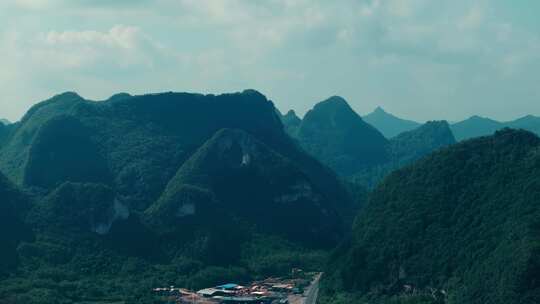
point(412, 145)
point(79, 208)
point(236, 176)
point(13, 207)
point(338, 137)
point(466, 219)
point(64, 151)
point(406, 148)
point(388, 124)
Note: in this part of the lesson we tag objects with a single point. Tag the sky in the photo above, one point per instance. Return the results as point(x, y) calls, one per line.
point(418, 59)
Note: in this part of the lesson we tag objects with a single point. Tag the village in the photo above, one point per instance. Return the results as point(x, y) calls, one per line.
point(299, 288)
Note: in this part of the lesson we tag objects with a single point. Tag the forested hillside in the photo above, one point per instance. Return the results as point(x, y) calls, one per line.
point(13, 207)
point(102, 201)
point(406, 148)
point(412, 145)
point(460, 226)
point(137, 192)
point(235, 175)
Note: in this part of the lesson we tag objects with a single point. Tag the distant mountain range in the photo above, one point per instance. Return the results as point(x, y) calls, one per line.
point(476, 126)
point(4, 121)
point(388, 124)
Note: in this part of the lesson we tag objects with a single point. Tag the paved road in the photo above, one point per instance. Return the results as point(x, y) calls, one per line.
point(310, 295)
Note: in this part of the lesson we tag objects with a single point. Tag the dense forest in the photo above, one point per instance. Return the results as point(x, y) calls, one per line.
point(459, 226)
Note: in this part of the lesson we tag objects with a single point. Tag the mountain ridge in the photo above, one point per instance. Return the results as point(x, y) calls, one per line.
point(476, 126)
point(181, 121)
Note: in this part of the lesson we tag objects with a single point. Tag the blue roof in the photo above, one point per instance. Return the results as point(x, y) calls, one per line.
point(228, 286)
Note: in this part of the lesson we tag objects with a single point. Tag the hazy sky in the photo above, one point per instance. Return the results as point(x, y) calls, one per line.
point(420, 59)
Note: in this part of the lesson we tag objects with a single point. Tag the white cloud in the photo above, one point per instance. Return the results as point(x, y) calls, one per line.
point(120, 46)
point(402, 8)
point(119, 36)
point(473, 18)
point(33, 4)
point(279, 46)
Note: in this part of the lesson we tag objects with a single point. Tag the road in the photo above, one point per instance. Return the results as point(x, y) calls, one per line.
point(310, 294)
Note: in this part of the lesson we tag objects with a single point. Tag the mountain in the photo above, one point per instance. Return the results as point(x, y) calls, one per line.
point(338, 137)
point(410, 146)
point(475, 126)
point(407, 148)
point(459, 226)
point(388, 124)
point(4, 121)
point(135, 144)
point(165, 189)
point(235, 175)
point(529, 123)
point(291, 122)
point(480, 126)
